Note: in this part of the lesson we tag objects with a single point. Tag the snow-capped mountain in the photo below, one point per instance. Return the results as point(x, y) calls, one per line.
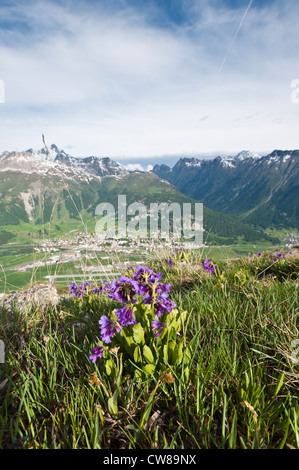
point(55, 162)
point(263, 190)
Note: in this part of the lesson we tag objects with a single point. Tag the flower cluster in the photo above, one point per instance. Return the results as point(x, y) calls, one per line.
point(209, 266)
point(277, 257)
point(145, 285)
point(102, 287)
point(82, 289)
point(78, 291)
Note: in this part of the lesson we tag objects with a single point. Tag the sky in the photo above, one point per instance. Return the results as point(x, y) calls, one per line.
point(145, 81)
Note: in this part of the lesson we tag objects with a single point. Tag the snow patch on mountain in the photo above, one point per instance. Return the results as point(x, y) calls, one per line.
point(228, 163)
point(245, 154)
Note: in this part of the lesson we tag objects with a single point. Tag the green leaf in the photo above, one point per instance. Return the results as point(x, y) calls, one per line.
point(112, 403)
point(233, 433)
point(136, 355)
point(165, 352)
point(149, 368)
point(147, 352)
point(279, 384)
point(178, 353)
point(246, 381)
point(138, 333)
point(171, 350)
point(109, 366)
point(129, 344)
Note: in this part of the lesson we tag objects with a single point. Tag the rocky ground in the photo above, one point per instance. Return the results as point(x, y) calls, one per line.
point(41, 295)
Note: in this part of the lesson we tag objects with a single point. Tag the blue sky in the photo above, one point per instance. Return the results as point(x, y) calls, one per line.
point(134, 79)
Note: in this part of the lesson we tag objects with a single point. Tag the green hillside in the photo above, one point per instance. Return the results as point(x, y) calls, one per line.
point(32, 205)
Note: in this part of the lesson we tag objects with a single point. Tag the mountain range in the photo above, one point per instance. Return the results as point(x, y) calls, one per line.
point(39, 187)
point(259, 190)
point(55, 162)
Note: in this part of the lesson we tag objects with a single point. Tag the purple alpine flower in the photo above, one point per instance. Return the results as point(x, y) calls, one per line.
point(78, 291)
point(162, 288)
point(259, 253)
point(103, 287)
point(124, 289)
point(107, 327)
point(169, 262)
point(148, 298)
point(75, 290)
point(97, 353)
point(277, 257)
point(157, 325)
point(125, 316)
point(163, 304)
point(154, 278)
point(209, 266)
point(141, 274)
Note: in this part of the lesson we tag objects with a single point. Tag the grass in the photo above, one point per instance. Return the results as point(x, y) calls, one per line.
point(242, 391)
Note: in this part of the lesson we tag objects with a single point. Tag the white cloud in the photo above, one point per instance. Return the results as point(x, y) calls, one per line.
point(134, 167)
point(112, 83)
point(138, 167)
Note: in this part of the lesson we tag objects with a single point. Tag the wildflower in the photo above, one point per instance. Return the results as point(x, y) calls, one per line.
point(107, 327)
point(74, 289)
point(154, 278)
point(163, 288)
point(97, 352)
point(125, 316)
point(277, 256)
point(163, 304)
point(142, 273)
point(102, 288)
point(157, 325)
point(124, 289)
point(169, 262)
point(78, 291)
point(177, 251)
point(209, 266)
point(259, 253)
point(161, 301)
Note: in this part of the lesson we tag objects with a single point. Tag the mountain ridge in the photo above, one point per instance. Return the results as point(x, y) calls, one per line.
point(261, 190)
point(50, 186)
point(57, 162)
